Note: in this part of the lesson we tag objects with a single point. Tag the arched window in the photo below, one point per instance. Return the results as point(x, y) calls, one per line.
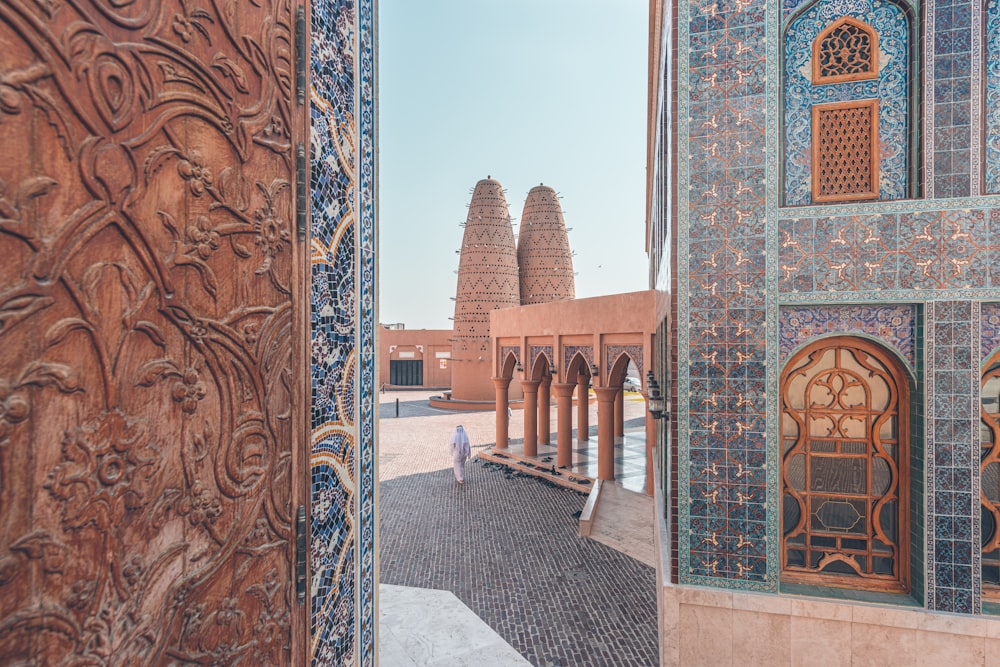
point(847, 112)
point(846, 51)
point(845, 467)
point(989, 433)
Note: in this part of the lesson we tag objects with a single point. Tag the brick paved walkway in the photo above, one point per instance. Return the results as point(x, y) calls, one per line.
point(507, 546)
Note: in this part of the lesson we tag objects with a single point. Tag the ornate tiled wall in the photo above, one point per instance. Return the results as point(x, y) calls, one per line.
point(951, 60)
point(757, 279)
point(890, 88)
point(893, 325)
point(343, 557)
point(952, 457)
point(721, 332)
point(891, 251)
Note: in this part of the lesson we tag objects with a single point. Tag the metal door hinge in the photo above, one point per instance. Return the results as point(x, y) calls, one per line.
point(301, 64)
point(301, 528)
point(301, 188)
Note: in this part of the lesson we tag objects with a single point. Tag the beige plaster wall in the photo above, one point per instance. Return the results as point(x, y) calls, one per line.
point(424, 344)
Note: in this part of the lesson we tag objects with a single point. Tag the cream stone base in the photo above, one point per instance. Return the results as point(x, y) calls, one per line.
point(701, 626)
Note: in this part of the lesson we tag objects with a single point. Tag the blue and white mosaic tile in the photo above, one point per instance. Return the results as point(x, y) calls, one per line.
point(342, 319)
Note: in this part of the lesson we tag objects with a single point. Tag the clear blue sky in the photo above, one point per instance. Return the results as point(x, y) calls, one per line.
point(527, 91)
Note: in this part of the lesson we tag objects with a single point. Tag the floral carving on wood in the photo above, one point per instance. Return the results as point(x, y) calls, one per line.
point(147, 356)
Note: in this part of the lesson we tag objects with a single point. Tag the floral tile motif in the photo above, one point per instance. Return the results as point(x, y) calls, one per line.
point(952, 460)
point(570, 351)
point(890, 89)
point(893, 324)
point(342, 323)
point(910, 251)
point(613, 352)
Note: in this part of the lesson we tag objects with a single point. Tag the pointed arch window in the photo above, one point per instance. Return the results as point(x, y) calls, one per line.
point(845, 467)
point(847, 50)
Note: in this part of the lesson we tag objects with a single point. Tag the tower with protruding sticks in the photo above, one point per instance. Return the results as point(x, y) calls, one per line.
point(543, 255)
point(487, 279)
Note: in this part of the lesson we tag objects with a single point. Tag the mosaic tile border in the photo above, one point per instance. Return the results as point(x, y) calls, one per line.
point(892, 325)
point(954, 557)
point(368, 354)
point(976, 98)
point(991, 138)
point(343, 315)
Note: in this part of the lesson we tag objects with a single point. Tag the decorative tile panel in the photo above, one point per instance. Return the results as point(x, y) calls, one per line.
point(894, 325)
point(722, 310)
point(535, 351)
point(634, 352)
point(890, 89)
point(952, 458)
point(570, 351)
point(907, 251)
point(342, 319)
point(507, 350)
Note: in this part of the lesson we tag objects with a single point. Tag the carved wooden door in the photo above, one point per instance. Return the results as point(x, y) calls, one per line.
point(152, 392)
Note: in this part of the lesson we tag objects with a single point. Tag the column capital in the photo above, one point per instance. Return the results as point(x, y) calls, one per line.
point(530, 385)
point(606, 394)
point(501, 383)
point(563, 390)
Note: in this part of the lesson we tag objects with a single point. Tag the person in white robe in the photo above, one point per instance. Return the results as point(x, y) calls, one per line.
point(460, 452)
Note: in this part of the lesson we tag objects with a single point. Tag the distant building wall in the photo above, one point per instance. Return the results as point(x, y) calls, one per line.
point(430, 347)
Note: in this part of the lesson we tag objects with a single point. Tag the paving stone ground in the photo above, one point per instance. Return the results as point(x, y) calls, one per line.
point(506, 546)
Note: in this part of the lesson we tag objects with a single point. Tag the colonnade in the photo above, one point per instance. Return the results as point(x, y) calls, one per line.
point(537, 427)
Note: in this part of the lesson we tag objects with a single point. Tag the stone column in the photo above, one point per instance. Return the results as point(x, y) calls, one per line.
point(620, 413)
point(651, 441)
point(564, 423)
point(583, 408)
point(503, 404)
point(605, 432)
point(530, 388)
point(544, 409)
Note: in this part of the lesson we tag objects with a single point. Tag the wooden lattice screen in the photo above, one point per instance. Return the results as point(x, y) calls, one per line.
point(845, 151)
point(846, 51)
point(844, 470)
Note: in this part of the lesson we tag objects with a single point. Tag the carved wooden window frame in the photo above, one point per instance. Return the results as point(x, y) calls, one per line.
point(817, 153)
point(989, 456)
point(894, 375)
point(817, 48)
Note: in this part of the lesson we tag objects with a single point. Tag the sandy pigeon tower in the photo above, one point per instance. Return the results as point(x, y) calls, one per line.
point(543, 254)
point(487, 279)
